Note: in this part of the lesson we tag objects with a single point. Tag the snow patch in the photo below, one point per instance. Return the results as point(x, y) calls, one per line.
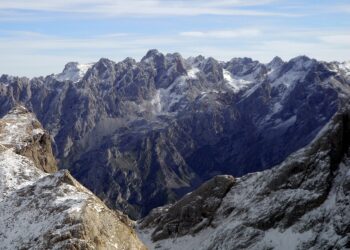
point(345, 66)
point(73, 72)
point(192, 73)
point(235, 83)
point(18, 127)
point(16, 172)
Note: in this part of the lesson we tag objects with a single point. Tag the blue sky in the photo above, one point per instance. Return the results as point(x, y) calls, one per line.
point(37, 37)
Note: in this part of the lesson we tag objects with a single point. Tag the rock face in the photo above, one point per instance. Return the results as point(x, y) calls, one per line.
point(21, 131)
point(192, 213)
point(142, 134)
point(49, 211)
point(303, 203)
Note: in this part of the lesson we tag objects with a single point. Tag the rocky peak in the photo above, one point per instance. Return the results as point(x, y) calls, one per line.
point(167, 67)
point(152, 54)
point(73, 71)
point(103, 67)
point(102, 72)
point(212, 70)
point(195, 61)
point(242, 60)
point(129, 61)
point(6, 78)
point(302, 63)
point(275, 63)
point(246, 68)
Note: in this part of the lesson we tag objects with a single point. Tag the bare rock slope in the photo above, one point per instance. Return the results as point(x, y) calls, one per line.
point(303, 203)
point(141, 134)
point(49, 211)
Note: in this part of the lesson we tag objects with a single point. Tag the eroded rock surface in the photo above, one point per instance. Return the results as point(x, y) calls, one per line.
point(141, 134)
point(39, 210)
point(21, 131)
point(303, 203)
point(192, 213)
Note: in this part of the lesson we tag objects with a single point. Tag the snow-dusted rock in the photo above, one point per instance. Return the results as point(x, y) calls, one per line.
point(303, 203)
point(49, 211)
point(73, 71)
point(190, 214)
point(177, 122)
point(22, 132)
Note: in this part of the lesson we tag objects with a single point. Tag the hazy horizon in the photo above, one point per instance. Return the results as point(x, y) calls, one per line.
point(39, 37)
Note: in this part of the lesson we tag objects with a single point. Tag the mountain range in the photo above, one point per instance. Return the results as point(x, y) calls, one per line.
point(142, 134)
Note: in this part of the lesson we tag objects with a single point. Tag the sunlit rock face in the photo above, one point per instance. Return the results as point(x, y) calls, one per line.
point(44, 209)
point(142, 134)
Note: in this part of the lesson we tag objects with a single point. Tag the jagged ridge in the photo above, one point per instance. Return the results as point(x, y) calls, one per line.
point(301, 204)
point(176, 122)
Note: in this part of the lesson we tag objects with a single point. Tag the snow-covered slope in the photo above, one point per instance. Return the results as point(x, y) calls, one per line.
point(18, 127)
point(50, 211)
point(303, 203)
point(22, 132)
point(73, 71)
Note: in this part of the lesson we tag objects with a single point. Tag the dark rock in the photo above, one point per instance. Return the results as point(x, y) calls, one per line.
point(142, 134)
point(302, 203)
point(190, 214)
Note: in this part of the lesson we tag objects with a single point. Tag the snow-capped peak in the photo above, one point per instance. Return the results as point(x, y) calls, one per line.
point(73, 71)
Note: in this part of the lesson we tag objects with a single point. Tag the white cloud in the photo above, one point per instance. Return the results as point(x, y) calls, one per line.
point(144, 7)
point(336, 39)
point(223, 33)
point(24, 40)
point(32, 54)
point(340, 8)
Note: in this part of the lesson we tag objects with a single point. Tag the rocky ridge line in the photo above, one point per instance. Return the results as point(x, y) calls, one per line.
point(303, 203)
point(141, 134)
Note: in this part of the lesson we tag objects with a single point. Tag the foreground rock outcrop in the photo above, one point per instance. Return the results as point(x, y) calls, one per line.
point(303, 203)
point(49, 211)
point(21, 131)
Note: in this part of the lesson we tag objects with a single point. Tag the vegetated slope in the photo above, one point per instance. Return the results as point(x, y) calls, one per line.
point(142, 134)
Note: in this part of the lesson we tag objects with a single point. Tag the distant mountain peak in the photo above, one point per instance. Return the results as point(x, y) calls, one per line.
point(175, 122)
point(275, 62)
point(73, 71)
point(153, 53)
